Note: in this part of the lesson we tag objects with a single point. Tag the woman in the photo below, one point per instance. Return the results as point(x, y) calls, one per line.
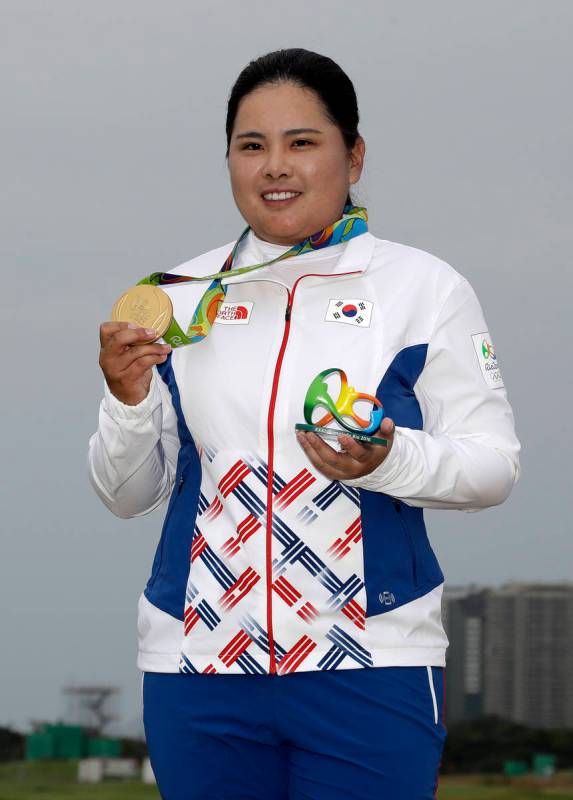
point(290, 634)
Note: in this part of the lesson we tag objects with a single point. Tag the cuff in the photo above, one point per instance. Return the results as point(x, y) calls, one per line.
point(119, 411)
point(383, 476)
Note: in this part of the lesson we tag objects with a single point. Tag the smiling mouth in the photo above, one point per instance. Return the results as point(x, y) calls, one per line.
point(280, 197)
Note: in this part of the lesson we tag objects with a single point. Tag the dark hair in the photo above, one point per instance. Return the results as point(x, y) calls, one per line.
point(305, 69)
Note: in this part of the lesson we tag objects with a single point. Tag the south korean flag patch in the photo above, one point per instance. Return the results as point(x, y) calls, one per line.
point(351, 311)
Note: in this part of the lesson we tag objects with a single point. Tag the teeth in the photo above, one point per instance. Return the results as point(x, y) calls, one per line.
point(280, 195)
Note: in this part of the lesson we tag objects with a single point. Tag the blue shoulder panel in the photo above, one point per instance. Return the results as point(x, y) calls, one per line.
point(168, 582)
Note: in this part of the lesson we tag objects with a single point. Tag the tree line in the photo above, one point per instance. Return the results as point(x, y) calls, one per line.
point(478, 745)
point(485, 743)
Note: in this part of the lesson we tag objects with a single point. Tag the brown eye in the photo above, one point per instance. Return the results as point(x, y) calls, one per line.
point(251, 146)
point(300, 142)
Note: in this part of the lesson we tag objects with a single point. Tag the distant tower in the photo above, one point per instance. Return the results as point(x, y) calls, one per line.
point(92, 707)
point(529, 656)
point(463, 614)
point(510, 653)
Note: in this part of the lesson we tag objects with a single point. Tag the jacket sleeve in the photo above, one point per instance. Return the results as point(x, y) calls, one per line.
point(132, 457)
point(466, 456)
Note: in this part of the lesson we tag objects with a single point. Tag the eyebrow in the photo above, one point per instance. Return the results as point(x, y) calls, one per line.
point(291, 132)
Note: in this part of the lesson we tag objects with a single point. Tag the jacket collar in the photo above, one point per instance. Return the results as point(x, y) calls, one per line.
point(356, 257)
point(357, 254)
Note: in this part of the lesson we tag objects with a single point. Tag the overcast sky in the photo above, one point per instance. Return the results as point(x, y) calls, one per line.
point(112, 166)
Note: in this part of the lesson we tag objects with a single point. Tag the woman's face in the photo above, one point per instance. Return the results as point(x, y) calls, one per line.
point(282, 141)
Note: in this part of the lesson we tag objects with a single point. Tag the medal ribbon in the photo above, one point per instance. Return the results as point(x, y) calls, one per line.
point(353, 223)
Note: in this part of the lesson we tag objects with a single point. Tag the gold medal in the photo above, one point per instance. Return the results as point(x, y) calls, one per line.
point(145, 306)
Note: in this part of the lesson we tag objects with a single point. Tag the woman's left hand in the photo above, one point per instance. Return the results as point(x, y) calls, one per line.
point(356, 459)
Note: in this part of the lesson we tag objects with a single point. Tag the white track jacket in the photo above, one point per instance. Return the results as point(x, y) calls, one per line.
point(264, 565)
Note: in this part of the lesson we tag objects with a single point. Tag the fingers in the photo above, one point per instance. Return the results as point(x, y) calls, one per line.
point(141, 352)
point(355, 460)
point(127, 354)
point(317, 451)
point(361, 451)
point(117, 359)
point(124, 333)
point(140, 366)
point(123, 343)
point(387, 427)
point(109, 329)
point(324, 451)
point(357, 450)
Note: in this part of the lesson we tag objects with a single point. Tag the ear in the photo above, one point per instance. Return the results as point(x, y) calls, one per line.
point(356, 160)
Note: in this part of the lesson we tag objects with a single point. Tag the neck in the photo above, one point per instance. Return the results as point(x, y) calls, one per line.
point(283, 241)
point(290, 241)
point(265, 240)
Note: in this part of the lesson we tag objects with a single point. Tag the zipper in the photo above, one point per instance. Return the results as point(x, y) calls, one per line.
point(270, 481)
point(270, 465)
point(398, 509)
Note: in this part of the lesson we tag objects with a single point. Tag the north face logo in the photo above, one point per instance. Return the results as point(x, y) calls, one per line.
point(234, 313)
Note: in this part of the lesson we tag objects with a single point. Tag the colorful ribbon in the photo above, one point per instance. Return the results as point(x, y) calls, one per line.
point(354, 222)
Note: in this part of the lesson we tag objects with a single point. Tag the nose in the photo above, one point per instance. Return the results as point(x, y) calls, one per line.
point(277, 163)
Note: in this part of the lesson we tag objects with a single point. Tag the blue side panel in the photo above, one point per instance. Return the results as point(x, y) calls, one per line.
point(168, 582)
point(396, 389)
point(399, 564)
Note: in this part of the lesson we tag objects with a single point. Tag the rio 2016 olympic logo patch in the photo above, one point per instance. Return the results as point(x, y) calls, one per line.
point(487, 360)
point(352, 311)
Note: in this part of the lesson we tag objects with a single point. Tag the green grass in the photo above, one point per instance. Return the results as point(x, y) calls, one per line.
point(56, 780)
point(497, 788)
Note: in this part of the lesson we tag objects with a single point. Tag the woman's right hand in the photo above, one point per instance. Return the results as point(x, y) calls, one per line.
point(126, 358)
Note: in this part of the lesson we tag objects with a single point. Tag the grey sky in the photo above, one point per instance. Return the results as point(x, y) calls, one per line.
point(112, 165)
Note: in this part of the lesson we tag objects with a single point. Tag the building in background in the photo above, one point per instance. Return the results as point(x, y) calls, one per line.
point(510, 653)
point(464, 621)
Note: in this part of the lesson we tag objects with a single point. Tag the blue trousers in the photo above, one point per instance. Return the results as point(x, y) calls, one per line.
point(363, 734)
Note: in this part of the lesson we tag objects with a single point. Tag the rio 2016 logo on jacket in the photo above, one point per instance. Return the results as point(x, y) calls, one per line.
point(487, 360)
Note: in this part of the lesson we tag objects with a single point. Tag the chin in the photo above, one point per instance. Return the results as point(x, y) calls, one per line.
point(283, 230)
